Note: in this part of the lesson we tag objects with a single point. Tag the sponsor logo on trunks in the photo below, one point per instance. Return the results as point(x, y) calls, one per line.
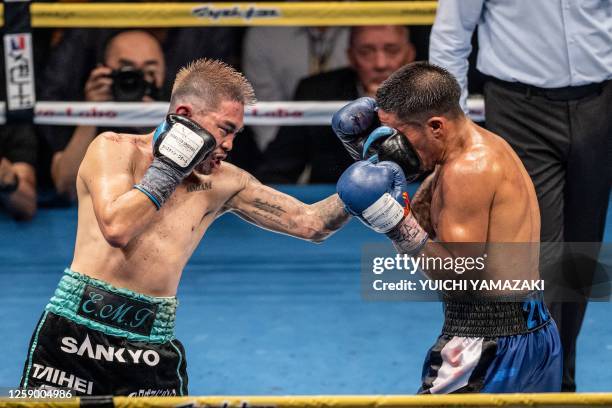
point(115, 310)
point(535, 312)
point(109, 353)
point(153, 393)
point(62, 378)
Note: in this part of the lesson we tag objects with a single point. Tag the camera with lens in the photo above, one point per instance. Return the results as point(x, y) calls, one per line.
point(130, 85)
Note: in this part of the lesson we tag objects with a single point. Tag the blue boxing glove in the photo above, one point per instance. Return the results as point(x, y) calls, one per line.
point(179, 144)
point(377, 194)
point(354, 122)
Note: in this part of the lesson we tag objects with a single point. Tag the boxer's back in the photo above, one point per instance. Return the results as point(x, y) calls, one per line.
point(515, 214)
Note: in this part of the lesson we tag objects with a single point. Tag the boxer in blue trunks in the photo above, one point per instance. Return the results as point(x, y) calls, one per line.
point(479, 193)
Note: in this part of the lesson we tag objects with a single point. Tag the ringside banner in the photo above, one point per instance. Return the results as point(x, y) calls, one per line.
point(18, 62)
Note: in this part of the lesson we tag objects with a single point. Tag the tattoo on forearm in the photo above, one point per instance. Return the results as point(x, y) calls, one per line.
point(207, 185)
point(288, 225)
point(331, 210)
point(269, 208)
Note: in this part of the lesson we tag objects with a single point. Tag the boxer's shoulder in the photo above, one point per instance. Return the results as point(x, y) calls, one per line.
point(119, 145)
point(229, 174)
point(475, 173)
point(226, 181)
point(479, 161)
point(115, 153)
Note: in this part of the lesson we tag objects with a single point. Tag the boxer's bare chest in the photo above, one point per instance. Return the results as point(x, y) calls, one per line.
point(192, 207)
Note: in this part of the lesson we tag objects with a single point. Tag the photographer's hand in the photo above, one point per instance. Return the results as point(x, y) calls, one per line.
point(18, 189)
point(98, 85)
point(8, 178)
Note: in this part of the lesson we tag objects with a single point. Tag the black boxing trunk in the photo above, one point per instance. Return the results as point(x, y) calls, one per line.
point(100, 340)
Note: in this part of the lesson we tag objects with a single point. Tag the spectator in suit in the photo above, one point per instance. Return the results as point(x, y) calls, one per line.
point(276, 58)
point(374, 52)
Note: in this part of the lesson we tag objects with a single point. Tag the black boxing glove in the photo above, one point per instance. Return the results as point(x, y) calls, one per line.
point(388, 144)
point(354, 122)
point(179, 144)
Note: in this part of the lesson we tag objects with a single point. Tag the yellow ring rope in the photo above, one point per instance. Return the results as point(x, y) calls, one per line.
point(354, 401)
point(320, 13)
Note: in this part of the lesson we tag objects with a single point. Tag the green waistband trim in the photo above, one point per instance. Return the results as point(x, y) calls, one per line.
point(67, 298)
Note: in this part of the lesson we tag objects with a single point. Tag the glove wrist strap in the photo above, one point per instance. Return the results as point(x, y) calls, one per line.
point(384, 214)
point(408, 236)
point(159, 182)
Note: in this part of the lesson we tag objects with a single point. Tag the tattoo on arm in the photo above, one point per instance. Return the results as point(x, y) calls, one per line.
point(332, 213)
point(207, 185)
point(275, 219)
point(280, 212)
point(269, 208)
point(274, 213)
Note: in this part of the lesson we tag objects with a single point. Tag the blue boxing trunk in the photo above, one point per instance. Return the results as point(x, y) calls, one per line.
point(495, 347)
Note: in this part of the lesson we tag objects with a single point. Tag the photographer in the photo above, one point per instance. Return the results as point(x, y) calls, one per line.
point(133, 70)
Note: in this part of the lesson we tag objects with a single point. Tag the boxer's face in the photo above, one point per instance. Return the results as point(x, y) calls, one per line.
point(424, 140)
point(224, 123)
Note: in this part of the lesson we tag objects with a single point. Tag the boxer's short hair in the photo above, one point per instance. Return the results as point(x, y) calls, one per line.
point(418, 91)
point(211, 81)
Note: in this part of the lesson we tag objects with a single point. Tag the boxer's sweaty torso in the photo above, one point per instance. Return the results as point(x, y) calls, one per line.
point(513, 213)
point(152, 262)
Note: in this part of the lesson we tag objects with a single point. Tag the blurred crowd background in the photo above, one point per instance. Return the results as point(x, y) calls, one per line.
point(282, 63)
